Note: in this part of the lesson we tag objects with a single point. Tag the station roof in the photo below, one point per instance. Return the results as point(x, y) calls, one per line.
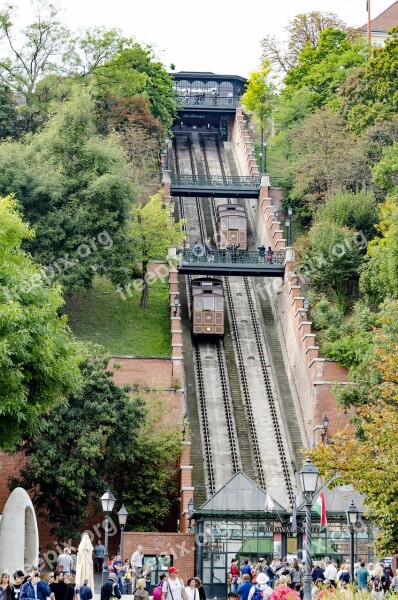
point(385, 21)
point(239, 495)
point(205, 75)
point(338, 499)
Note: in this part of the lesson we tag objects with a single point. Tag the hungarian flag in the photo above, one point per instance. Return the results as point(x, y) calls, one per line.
point(320, 508)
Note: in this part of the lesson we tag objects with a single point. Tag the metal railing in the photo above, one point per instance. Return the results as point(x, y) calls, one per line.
point(228, 181)
point(231, 256)
point(207, 100)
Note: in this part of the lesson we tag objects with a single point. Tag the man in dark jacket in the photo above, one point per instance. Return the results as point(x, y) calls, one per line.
point(110, 588)
point(85, 591)
point(35, 588)
point(58, 586)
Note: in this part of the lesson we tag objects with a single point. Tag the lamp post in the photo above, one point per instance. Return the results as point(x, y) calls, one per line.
point(122, 516)
point(265, 143)
point(108, 502)
point(287, 223)
point(352, 517)
point(309, 480)
point(191, 508)
point(324, 435)
point(260, 154)
point(176, 304)
point(167, 142)
point(290, 213)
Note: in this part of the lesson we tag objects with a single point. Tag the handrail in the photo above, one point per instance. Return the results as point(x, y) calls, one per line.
point(230, 181)
point(207, 100)
point(231, 256)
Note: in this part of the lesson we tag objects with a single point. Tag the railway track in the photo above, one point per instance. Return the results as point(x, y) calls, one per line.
point(242, 363)
point(216, 375)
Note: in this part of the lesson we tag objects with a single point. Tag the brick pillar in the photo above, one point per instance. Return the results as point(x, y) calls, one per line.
point(186, 487)
point(176, 329)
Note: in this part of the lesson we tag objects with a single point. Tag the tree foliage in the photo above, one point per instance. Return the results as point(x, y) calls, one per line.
point(38, 359)
point(259, 96)
point(100, 437)
point(75, 189)
point(357, 211)
point(154, 231)
point(366, 455)
point(303, 32)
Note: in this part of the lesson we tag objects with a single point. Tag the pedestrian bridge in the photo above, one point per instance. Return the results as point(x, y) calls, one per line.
point(215, 186)
point(230, 262)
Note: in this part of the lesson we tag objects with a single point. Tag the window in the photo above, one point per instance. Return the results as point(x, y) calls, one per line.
point(208, 304)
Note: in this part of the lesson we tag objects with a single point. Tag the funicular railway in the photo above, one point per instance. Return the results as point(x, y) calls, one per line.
point(236, 409)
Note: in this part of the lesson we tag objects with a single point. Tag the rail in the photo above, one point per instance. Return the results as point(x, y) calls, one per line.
point(229, 181)
point(199, 100)
point(229, 256)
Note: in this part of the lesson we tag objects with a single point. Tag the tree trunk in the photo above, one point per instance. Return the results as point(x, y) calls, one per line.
point(144, 293)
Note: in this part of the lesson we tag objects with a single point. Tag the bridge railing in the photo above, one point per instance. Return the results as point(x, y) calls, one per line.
point(228, 181)
point(207, 100)
point(231, 256)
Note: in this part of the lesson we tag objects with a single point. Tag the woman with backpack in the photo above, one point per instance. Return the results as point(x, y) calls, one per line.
point(378, 582)
point(157, 590)
point(260, 591)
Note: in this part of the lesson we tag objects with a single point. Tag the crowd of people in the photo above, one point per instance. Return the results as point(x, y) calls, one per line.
point(278, 579)
point(34, 585)
point(169, 587)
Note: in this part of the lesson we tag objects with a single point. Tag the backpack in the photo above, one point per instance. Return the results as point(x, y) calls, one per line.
point(377, 584)
point(157, 591)
point(258, 594)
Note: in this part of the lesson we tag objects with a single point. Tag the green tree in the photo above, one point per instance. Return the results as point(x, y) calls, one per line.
point(322, 69)
point(330, 258)
point(74, 187)
point(43, 44)
point(356, 210)
point(99, 437)
point(379, 273)
point(259, 96)
point(327, 157)
point(39, 361)
point(154, 232)
point(303, 31)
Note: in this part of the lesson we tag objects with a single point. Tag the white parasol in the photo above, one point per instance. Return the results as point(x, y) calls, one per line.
point(84, 564)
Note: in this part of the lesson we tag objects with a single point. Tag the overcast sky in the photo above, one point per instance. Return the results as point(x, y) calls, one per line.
point(204, 35)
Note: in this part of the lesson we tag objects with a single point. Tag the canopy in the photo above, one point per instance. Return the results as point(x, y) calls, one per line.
point(84, 564)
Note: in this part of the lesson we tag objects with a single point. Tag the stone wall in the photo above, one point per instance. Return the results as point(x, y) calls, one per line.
point(314, 377)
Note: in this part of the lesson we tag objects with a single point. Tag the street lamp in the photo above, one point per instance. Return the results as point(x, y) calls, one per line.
point(325, 429)
point(167, 142)
point(352, 517)
point(290, 212)
point(287, 223)
point(122, 516)
point(108, 502)
point(191, 508)
point(265, 143)
point(176, 304)
point(260, 154)
point(309, 479)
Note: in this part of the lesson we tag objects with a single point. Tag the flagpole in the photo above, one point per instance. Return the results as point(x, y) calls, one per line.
point(369, 28)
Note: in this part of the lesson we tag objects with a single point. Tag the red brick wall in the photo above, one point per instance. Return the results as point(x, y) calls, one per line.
point(180, 545)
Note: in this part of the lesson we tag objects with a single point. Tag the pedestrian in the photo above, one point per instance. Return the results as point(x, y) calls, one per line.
point(137, 563)
point(34, 587)
point(378, 582)
point(128, 577)
point(317, 572)
point(295, 574)
point(234, 575)
point(65, 561)
point(58, 586)
point(330, 571)
point(197, 250)
point(200, 588)
point(140, 591)
point(344, 574)
point(191, 589)
point(261, 587)
point(157, 590)
point(74, 560)
point(394, 583)
point(6, 591)
point(173, 587)
point(362, 577)
point(70, 586)
point(110, 588)
point(19, 580)
point(85, 591)
point(245, 587)
point(316, 588)
point(269, 255)
point(99, 551)
point(119, 570)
